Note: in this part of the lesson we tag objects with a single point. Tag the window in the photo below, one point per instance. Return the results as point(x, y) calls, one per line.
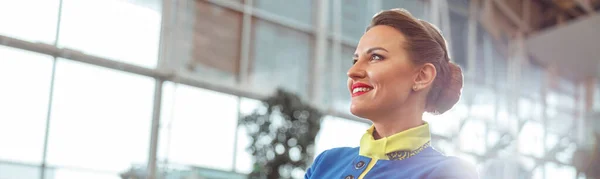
point(300, 11)
point(331, 130)
point(9, 171)
point(554, 170)
point(24, 97)
point(483, 103)
point(459, 32)
point(281, 58)
point(341, 97)
point(531, 139)
point(208, 40)
point(416, 8)
point(355, 17)
point(113, 29)
point(32, 20)
point(197, 127)
point(100, 118)
point(75, 174)
point(472, 136)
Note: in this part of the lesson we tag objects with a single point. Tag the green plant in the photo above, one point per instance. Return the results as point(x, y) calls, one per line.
point(283, 135)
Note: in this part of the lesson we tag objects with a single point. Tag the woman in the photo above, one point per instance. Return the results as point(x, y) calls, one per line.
point(401, 70)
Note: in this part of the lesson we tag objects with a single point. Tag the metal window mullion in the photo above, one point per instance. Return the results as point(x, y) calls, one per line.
point(51, 94)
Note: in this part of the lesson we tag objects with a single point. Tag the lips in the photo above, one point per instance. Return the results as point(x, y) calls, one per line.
point(360, 89)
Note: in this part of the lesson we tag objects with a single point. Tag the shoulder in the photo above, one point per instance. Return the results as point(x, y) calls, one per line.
point(453, 168)
point(330, 161)
point(336, 154)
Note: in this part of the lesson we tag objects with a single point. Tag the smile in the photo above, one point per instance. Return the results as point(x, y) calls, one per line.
point(360, 89)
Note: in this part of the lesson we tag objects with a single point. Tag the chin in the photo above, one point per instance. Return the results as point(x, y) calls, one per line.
point(360, 111)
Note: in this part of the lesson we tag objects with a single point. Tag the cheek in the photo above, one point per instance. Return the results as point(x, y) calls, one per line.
point(393, 84)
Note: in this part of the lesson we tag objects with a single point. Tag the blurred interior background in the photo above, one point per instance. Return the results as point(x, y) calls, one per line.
point(109, 89)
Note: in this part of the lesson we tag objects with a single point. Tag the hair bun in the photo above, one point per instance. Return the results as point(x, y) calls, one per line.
point(450, 94)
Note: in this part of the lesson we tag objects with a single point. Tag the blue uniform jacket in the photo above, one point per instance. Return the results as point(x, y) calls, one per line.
point(406, 155)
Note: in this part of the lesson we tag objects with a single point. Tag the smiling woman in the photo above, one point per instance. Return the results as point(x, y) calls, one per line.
point(401, 69)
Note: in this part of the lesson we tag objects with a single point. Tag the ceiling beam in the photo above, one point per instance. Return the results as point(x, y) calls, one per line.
point(586, 5)
point(512, 16)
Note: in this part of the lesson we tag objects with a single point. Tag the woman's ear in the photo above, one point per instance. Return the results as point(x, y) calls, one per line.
point(425, 76)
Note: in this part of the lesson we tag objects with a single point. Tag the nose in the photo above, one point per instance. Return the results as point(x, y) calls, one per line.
point(357, 71)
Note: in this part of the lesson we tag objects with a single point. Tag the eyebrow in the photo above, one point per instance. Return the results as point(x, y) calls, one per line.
point(371, 50)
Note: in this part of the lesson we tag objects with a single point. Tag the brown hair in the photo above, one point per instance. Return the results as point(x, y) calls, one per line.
point(426, 45)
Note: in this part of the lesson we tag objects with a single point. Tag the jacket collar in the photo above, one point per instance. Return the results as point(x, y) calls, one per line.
point(408, 142)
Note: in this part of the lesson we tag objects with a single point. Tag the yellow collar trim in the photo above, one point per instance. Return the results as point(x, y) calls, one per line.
point(412, 140)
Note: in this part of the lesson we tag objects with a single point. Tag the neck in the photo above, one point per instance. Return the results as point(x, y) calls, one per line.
point(395, 122)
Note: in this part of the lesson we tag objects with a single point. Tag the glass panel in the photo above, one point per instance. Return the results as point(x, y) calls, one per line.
point(481, 68)
point(331, 130)
point(113, 29)
point(529, 109)
point(554, 170)
point(297, 10)
point(532, 79)
point(538, 173)
point(281, 58)
point(214, 47)
point(552, 140)
point(444, 146)
point(76, 174)
point(596, 104)
point(566, 156)
point(192, 118)
point(9, 171)
point(458, 29)
point(531, 139)
point(100, 118)
point(446, 124)
point(355, 18)
point(472, 136)
point(559, 122)
point(342, 94)
point(416, 8)
point(506, 120)
point(483, 104)
point(24, 105)
point(33, 20)
point(500, 65)
point(243, 159)
point(561, 100)
point(566, 85)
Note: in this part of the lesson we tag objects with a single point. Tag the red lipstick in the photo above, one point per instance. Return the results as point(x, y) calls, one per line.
point(358, 89)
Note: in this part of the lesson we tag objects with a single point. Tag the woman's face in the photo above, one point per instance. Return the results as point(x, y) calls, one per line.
point(381, 79)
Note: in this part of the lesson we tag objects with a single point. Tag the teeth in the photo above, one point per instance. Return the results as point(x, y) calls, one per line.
point(361, 89)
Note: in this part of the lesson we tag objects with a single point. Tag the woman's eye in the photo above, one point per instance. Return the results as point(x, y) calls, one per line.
point(376, 57)
point(354, 61)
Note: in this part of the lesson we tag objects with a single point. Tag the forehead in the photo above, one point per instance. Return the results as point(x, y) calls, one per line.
point(381, 36)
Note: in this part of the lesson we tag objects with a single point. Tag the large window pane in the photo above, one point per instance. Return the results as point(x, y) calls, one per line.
point(459, 32)
point(416, 8)
point(75, 174)
point(33, 20)
point(341, 97)
point(472, 136)
point(281, 58)
point(24, 96)
point(244, 163)
point(300, 11)
point(197, 127)
point(331, 130)
point(9, 171)
point(531, 139)
point(355, 17)
point(100, 118)
point(208, 41)
point(113, 29)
